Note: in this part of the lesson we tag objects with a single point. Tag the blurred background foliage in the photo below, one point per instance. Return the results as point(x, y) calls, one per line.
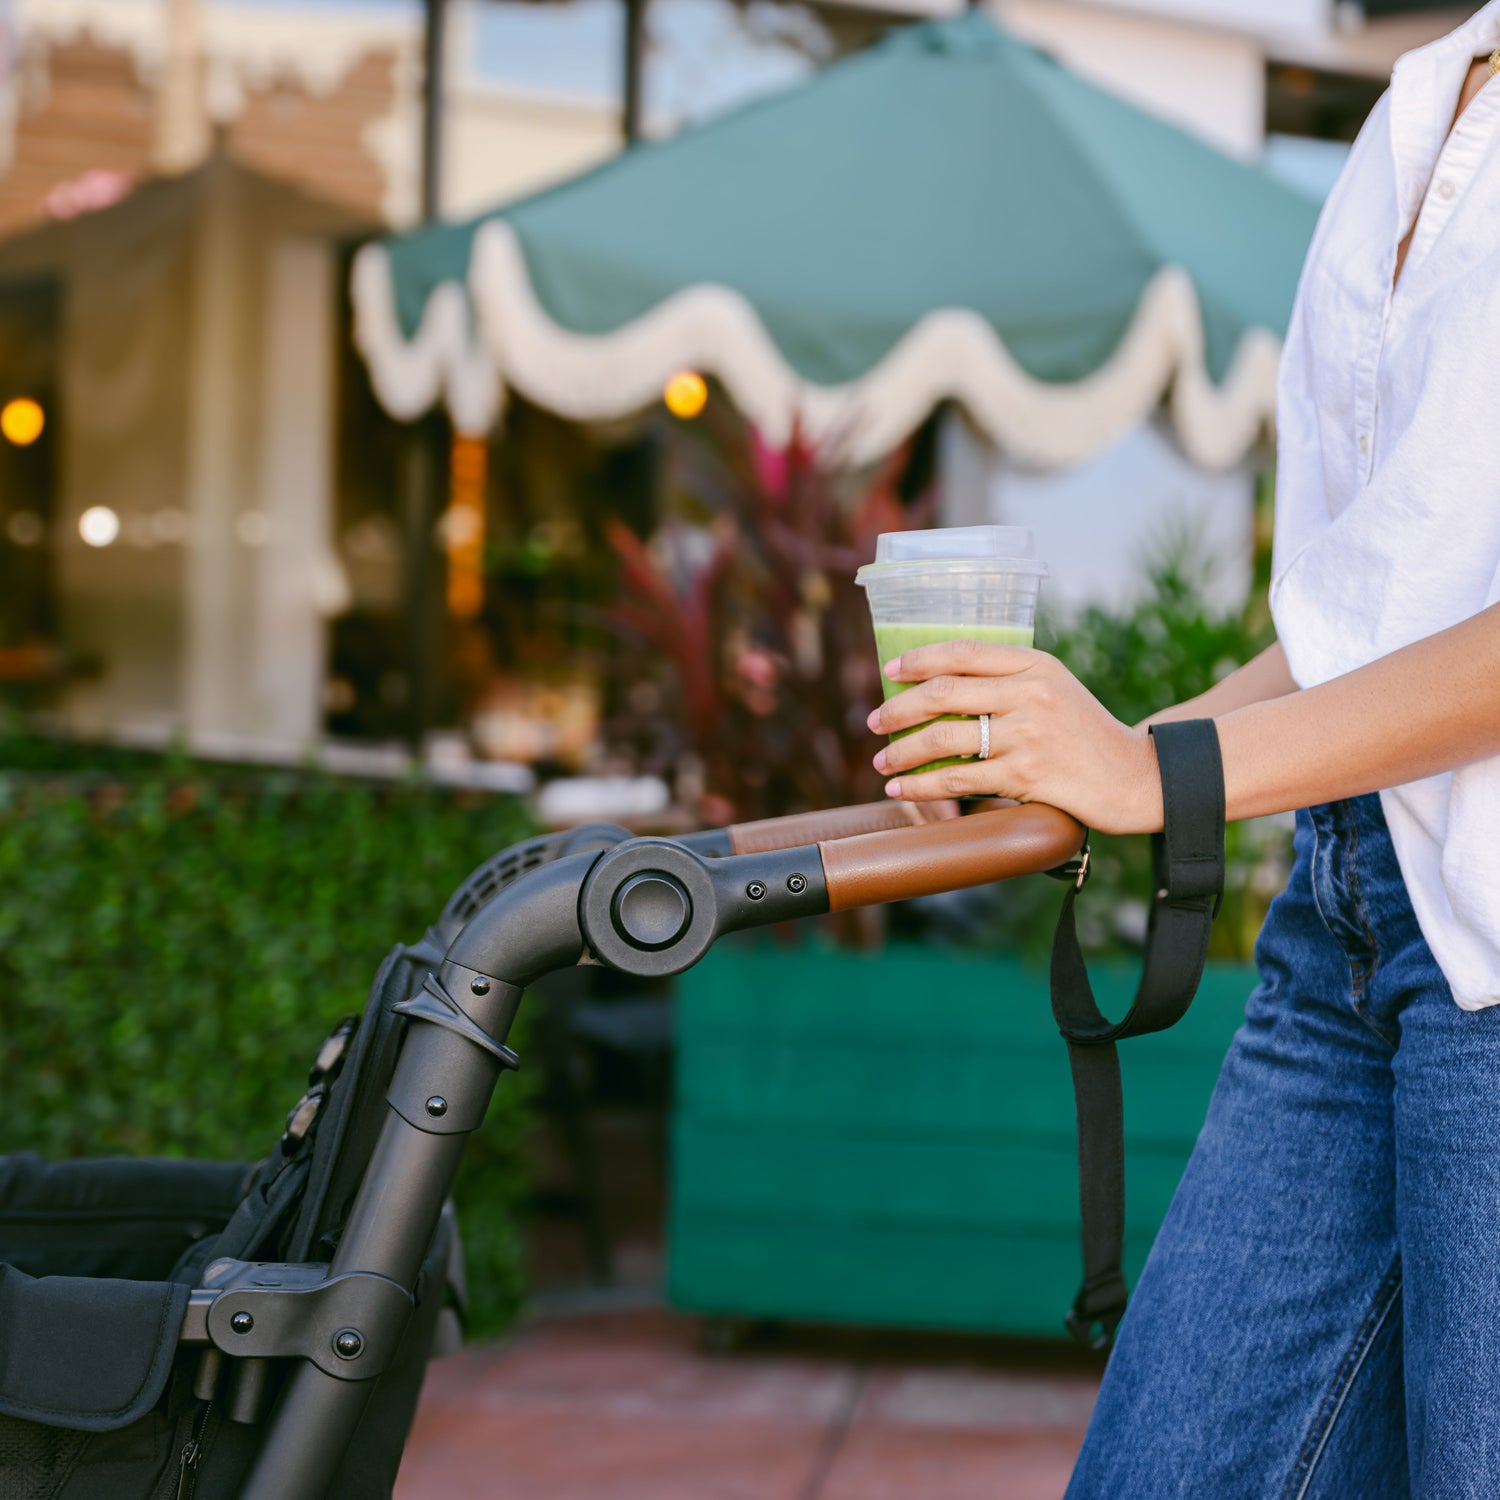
point(175, 941)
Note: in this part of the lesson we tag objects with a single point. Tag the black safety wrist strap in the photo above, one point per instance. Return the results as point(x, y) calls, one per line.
point(1188, 859)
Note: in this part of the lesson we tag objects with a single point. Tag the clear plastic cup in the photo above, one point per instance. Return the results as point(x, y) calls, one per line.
point(954, 583)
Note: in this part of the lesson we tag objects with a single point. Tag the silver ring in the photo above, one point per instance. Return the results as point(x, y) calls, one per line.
point(984, 737)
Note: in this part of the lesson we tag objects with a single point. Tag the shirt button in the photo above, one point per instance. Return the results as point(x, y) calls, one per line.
point(1364, 442)
point(1446, 189)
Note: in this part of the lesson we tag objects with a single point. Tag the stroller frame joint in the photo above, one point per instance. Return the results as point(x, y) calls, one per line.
point(271, 1310)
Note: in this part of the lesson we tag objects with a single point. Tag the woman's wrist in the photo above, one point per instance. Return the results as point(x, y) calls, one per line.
point(1144, 798)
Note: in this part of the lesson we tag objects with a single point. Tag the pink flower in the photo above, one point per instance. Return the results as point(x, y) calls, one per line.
point(86, 194)
point(771, 467)
point(757, 667)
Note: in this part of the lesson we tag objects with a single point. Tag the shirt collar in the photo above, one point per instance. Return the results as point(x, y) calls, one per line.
point(1425, 86)
point(1480, 33)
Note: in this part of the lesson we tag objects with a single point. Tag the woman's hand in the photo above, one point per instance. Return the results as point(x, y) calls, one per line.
point(1050, 738)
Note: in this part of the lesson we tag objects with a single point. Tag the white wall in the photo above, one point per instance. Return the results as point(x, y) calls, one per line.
point(121, 443)
point(223, 422)
point(1249, 16)
point(1210, 82)
point(500, 144)
point(298, 582)
point(1098, 526)
point(197, 403)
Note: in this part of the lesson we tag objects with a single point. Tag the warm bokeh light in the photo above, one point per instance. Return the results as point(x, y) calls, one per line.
point(463, 529)
point(99, 526)
point(25, 528)
point(22, 421)
point(686, 394)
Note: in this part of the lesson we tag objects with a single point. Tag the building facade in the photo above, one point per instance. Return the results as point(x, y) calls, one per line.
point(323, 97)
point(180, 184)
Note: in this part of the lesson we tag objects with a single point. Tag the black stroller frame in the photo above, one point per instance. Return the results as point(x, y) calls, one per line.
point(644, 906)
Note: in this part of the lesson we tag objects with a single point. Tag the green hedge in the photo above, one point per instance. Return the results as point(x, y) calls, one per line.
point(174, 943)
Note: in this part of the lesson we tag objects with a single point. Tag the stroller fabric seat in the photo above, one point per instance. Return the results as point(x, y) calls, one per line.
point(98, 1259)
point(89, 1250)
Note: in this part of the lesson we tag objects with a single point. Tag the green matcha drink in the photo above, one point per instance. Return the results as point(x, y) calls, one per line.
point(975, 583)
point(893, 640)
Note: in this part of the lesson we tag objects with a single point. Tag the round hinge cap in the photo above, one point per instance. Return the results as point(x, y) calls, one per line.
point(652, 910)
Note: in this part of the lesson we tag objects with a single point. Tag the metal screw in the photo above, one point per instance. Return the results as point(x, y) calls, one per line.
point(755, 890)
point(242, 1322)
point(348, 1344)
point(480, 986)
point(796, 884)
point(437, 1106)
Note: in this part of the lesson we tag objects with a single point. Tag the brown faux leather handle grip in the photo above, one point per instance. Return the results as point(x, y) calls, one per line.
point(823, 827)
point(901, 863)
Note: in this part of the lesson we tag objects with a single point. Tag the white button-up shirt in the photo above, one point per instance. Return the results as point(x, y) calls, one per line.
point(1388, 484)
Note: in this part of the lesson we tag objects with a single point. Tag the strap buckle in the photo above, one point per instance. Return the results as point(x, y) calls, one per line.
point(1076, 870)
point(1096, 1311)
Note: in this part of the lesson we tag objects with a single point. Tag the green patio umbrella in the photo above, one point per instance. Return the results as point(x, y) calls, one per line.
point(949, 215)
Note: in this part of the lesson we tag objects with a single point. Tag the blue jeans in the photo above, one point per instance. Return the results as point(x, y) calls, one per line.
point(1320, 1316)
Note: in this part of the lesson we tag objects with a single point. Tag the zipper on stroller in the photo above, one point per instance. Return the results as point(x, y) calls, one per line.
point(192, 1455)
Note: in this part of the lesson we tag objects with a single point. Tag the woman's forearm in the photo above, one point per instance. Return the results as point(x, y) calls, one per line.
point(1429, 707)
point(1262, 677)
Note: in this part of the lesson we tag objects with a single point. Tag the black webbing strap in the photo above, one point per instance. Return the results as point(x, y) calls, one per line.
point(1188, 859)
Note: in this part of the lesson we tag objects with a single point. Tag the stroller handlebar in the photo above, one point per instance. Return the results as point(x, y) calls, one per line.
point(924, 859)
point(892, 851)
point(652, 906)
point(821, 827)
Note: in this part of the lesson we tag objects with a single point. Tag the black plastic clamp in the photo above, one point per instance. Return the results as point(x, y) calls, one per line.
point(438, 1088)
point(433, 1003)
point(349, 1326)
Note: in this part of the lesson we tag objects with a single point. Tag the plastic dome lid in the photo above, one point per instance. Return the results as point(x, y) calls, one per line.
point(959, 549)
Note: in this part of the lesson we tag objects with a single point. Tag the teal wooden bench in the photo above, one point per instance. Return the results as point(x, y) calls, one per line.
point(888, 1139)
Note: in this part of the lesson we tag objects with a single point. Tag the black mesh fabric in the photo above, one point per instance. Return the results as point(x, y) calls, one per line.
point(35, 1461)
point(497, 872)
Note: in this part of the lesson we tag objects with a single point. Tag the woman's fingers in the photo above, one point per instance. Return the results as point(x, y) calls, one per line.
point(936, 741)
point(961, 659)
point(970, 778)
point(944, 695)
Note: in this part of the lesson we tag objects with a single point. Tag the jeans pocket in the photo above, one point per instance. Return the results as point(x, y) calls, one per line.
point(1336, 888)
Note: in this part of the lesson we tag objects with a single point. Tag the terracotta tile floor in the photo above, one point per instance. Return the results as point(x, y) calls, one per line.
point(623, 1406)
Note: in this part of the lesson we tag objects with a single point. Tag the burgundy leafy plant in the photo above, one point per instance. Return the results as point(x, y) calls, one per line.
point(759, 666)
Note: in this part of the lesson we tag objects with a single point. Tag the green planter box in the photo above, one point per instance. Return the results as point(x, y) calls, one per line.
point(889, 1138)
